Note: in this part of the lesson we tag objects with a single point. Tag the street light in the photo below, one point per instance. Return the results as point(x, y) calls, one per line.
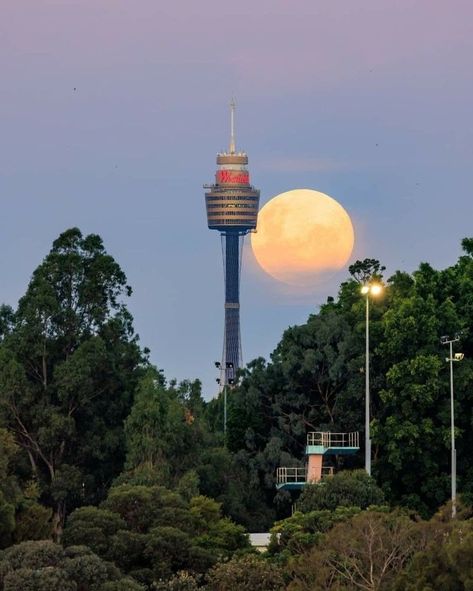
point(228, 365)
point(374, 289)
point(446, 340)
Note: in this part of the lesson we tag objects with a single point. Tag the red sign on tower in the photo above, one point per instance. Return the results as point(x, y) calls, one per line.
point(234, 177)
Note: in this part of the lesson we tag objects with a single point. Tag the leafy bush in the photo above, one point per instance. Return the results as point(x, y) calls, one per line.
point(248, 573)
point(345, 489)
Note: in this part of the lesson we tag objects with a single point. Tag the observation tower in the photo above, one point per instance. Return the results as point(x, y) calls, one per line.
point(232, 209)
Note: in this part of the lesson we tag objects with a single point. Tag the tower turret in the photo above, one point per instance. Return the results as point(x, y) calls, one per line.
point(232, 209)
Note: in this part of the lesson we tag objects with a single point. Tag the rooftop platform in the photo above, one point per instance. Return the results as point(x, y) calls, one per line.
point(327, 443)
point(288, 478)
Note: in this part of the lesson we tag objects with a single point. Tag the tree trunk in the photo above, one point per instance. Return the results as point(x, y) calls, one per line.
point(58, 521)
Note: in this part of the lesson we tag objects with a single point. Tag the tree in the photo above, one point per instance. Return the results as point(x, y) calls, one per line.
point(94, 528)
point(345, 489)
point(315, 381)
point(43, 565)
point(312, 383)
point(69, 362)
point(365, 553)
point(445, 560)
point(21, 516)
point(245, 574)
point(165, 431)
point(9, 490)
point(181, 581)
point(366, 270)
point(151, 533)
point(300, 532)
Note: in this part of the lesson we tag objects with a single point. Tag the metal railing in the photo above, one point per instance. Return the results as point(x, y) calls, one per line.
point(298, 475)
point(290, 475)
point(328, 439)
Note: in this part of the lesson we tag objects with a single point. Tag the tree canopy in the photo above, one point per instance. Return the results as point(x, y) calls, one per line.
point(69, 363)
point(135, 478)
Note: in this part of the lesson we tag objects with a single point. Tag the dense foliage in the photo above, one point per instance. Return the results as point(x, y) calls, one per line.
point(150, 532)
point(113, 479)
point(43, 566)
point(345, 489)
point(315, 381)
point(68, 368)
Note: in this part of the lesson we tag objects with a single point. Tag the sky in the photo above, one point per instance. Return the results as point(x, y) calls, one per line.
point(112, 112)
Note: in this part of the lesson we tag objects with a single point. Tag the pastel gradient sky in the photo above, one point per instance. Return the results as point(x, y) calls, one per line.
point(112, 111)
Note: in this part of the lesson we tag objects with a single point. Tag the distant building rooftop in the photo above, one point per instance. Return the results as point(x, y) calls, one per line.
point(260, 541)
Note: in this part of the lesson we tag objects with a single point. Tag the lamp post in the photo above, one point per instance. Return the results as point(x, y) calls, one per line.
point(446, 340)
point(368, 289)
point(226, 381)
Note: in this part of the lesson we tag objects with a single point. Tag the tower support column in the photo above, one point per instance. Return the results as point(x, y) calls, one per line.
point(232, 344)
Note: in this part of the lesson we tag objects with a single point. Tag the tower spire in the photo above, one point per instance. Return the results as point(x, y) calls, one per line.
point(232, 126)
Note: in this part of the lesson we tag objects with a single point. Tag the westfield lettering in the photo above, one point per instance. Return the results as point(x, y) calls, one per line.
point(232, 176)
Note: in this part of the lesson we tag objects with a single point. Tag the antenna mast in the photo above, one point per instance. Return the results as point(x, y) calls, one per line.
point(232, 126)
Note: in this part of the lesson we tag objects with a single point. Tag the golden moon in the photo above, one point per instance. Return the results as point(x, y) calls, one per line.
point(303, 236)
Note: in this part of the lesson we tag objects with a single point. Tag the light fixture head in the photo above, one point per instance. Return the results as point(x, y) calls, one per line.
point(459, 356)
point(444, 340)
point(376, 289)
point(373, 289)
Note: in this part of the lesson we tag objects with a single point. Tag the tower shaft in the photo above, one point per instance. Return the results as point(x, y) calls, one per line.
point(232, 344)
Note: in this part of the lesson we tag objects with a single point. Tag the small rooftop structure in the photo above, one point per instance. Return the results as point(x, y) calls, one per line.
point(260, 541)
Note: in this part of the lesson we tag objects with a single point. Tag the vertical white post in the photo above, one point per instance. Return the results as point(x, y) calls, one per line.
point(452, 427)
point(367, 392)
point(232, 127)
point(225, 408)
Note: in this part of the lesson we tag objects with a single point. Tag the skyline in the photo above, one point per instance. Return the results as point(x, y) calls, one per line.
point(112, 115)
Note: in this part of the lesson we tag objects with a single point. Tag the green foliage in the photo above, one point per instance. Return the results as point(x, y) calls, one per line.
point(345, 489)
point(151, 532)
point(300, 532)
point(9, 490)
point(165, 431)
point(93, 527)
point(315, 381)
point(143, 507)
point(33, 522)
point(366, 270)
point(234, 481)
point(43, 579)
point(77, 394)
point(245, 574)
point(7, 520)
point(181, 581)
point(365, 552)
point(69, 363)
point(43, 565)
point(444, 562)
point(126, 584)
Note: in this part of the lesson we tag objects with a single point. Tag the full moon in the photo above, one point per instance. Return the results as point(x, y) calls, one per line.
point(303, 237)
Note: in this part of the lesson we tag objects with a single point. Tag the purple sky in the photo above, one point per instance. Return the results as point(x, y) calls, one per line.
point(112, 111)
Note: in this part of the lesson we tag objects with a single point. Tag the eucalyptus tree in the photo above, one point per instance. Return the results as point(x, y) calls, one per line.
point(69, 363)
